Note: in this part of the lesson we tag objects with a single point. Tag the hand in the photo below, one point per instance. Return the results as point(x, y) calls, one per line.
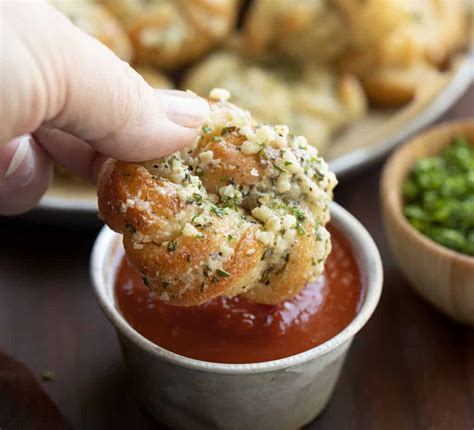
point(70, 99)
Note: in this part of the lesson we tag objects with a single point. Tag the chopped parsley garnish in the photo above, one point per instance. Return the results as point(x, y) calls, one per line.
point(227, 130)
point(206, 129)
point(230, 238)
point(232, 203)
point(172, 245)
point(146, 282)
point(280, 169)
point(223, 273)
point(266, 254)
point(278, 205)
point(300, 229)
point(48, 375)
point(439, 196)
point(266, 274)
point(288, 163)
point(198, 171)
point(298, 213)
point(318, 172)
point(283, 267)
point(194, 198)
point(130, 228)
point(220, 212)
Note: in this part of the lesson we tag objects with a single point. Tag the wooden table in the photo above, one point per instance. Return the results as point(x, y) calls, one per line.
point(409, 368)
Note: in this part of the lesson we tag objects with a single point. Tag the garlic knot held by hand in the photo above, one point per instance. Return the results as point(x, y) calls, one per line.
point(241, 211)
point(173, 33)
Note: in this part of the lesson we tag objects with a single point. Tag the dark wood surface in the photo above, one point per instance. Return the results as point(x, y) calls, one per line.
point(409, 368)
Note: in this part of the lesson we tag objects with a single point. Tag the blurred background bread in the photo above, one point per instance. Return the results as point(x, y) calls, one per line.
point(316, 65)
point(395, 45)
point(297, 30)
point(153, 76)
point(172, 33)
point(392, 47)
point(95, 20)
point(389, 44)
point(312, 100)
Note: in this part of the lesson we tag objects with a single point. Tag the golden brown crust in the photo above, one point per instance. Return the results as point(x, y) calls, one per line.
point(280, 285)
point(388, 93)
point(119, 182)
point(169, 270)
point(393, 88)
point(182, 277)
point(233, 166)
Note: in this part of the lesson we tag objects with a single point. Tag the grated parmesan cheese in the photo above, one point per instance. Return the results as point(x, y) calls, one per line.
point(250, 148)
point(219, 94)
point(265, 237)
point(190, 230)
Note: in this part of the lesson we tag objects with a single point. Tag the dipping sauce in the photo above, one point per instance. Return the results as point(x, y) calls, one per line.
point(236, 331)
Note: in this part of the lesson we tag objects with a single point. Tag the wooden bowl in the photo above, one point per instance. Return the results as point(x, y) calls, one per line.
point(442, 276)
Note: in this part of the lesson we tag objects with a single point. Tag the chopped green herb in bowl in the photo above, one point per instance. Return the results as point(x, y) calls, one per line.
point(48, 375)
point(439, 197)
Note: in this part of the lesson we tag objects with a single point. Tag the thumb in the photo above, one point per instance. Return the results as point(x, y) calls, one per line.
point(83, 89)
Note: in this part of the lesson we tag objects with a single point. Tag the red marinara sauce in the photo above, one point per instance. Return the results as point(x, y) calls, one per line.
point(236, 331)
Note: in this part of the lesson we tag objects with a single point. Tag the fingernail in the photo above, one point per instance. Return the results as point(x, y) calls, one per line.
point(22, 168)
point(185, 108)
